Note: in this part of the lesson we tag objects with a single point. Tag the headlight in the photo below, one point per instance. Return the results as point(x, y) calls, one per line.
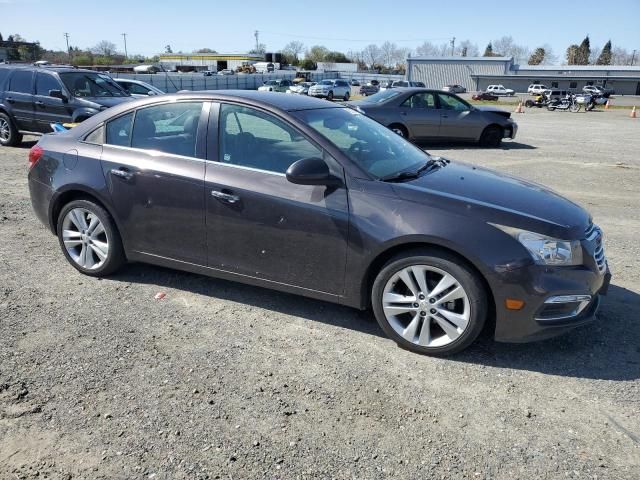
point(547, 250)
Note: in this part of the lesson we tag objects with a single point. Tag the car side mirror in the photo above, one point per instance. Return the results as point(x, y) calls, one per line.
point(58, 94)
point(151, 93)
point(311, 171)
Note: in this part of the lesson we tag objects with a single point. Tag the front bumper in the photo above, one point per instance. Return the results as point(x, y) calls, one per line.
point(511, 130)
point(544, 315)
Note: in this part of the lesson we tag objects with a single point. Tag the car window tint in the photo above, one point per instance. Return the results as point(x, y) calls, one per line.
point(21, 81)
point(169, 128)
point(135, 88)
point(252, 138)
point(420, 100)
point(449, 102)
point(4, 73)
point(45, 82)
point(119, 131)
point(96, 136)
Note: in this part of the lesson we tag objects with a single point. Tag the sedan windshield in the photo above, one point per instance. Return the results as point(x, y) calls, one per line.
point(372, 146)
point(381, 96)
point(326, 82)
point(84, 84)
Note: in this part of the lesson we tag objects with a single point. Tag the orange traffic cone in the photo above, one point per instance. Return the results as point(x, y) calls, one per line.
point(607, 105)
point(519, 108)
point(633, 112)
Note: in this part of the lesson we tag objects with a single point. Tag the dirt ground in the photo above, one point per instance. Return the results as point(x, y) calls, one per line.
point(219, 380)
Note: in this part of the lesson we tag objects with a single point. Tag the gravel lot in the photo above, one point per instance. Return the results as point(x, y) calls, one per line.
point(220, 380)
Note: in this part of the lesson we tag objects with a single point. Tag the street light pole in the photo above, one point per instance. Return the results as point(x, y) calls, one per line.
point(126, 55)
point(633, 57)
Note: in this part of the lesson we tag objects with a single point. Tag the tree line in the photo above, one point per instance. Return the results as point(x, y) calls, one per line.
point(386, 57)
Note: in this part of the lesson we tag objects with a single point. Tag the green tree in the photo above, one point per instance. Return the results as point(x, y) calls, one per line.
point(308, 64)
point(317, 53)
point(336, 57)
point(167, 49)
point(572, 54)
point(205, 50)
point(488, 52)
point(537, 57)
point(260, 49)
point(605, 55)
point(1, 40)
point(584, 50)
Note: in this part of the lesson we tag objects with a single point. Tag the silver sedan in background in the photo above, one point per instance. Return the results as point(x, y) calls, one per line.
point(137, 88)
point(421, 115)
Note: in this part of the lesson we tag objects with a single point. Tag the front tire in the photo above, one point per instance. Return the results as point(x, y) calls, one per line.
point(9, 135)
point(330, 96)
point(89, 238)
point(575, 107)
point(399, 130)
point(429, 303)
point(346, 97)
point(491, 136)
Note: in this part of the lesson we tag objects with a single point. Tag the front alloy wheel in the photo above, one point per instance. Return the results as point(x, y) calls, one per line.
point(432, 304)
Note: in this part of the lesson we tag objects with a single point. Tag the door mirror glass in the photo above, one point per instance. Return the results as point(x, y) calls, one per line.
point(58, 94)
point(311, 171)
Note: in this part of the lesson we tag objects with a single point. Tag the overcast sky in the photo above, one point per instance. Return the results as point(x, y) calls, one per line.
point(228, 26)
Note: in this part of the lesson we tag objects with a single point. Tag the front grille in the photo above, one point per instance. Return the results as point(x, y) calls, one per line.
point(593, 234)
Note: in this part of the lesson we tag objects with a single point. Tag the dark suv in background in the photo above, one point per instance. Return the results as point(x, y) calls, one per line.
point(34, 97)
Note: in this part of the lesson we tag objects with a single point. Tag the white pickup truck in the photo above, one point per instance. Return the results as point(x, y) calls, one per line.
point(500, 90)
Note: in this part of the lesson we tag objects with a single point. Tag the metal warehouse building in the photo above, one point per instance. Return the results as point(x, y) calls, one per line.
point(206, 61)
point(476, 73)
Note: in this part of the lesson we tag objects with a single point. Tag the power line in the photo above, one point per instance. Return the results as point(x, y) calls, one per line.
point(356, 40)
point(66, 36)
point(124, 35)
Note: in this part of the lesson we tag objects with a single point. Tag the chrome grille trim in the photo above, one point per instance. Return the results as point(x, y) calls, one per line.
point(593, 234)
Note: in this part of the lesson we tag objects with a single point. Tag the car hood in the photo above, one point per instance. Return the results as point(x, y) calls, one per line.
point(497, 198)
point(96, 102)
point(496, 110)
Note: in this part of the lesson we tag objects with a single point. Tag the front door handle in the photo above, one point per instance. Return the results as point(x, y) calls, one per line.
point(40, 103)
point(122, 173)
point(10, 100)
point(225, 197)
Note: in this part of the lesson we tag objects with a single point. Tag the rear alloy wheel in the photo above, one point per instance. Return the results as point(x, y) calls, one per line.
point(9, 135)
point(89, 238)
point(431, 304)
point(491, 136)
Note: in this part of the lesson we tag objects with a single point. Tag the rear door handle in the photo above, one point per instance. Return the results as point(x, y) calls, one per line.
point(225, 197)
point(10, 100)
point(122, 173)
point(40, 103)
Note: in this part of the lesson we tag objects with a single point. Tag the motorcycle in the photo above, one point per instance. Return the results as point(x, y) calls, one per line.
point(538, 101)
point(590, 101)
point(567, 103)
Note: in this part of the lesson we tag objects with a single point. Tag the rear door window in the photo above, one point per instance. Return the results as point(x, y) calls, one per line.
point(169, 128)
point(4, 73)
point(21, 81)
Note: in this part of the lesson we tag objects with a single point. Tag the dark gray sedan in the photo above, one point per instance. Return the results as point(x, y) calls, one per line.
point(432, 115)
point(301, 195)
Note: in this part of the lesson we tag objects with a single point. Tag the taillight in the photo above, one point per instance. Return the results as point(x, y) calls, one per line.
point(34, 155)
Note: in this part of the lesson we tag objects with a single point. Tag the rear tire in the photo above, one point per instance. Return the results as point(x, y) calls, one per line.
point(94, 249)
point(9, 135)
point(431, 323)
point(491, 136)
point(529, 103)
point(399, 130)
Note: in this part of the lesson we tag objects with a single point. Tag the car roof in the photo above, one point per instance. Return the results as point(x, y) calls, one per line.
point(48, 68)
point(278, 100)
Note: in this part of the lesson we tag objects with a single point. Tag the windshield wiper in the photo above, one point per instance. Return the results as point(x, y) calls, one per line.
point(432, 163)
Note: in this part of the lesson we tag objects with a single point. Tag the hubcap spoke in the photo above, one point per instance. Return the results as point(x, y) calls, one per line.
point(409, 333)
point(84, 238)
point(451, 331)
point(425, 333)
point(458, 320)
point(406, 277)
point(445, 283)
point(452, 295)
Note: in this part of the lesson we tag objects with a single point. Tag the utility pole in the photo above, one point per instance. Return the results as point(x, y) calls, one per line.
point(255, 34)
point(126, 55)
point(453, 45)
point(633, 57)
point(66, 36)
